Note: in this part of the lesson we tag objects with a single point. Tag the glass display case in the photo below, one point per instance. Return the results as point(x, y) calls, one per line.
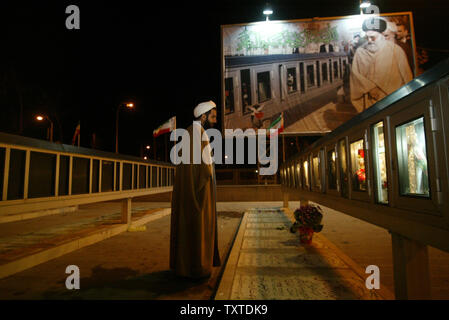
point(332, 169)
point(358, 173)
point(380, 164)
point(298, 174)
point(343, 168)
point(412, 159)
point(316, 172)
point(306, 173)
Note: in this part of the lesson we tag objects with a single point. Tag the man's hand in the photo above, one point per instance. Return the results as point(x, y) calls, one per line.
point(375, 93)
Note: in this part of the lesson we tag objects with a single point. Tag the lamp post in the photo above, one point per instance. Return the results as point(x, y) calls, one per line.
point(44, 117)
point(129, 105)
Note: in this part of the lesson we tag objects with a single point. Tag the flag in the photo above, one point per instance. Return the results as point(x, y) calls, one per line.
point(277, 124)
point(76, 134)
point(168, 126)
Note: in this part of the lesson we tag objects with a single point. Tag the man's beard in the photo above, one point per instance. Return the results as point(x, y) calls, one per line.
point(207, 125)
point(372, 47)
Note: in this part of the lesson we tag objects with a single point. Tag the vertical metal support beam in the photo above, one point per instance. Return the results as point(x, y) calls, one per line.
point(91, 165)
point(151, 177)
point(27, 174)
point(146, 176)
point(121, 177)
point(70, 174)
point(58, 165)
point(6, 174)
point(158, 173)
point(100, 173)
point(411, 268)
point(126, 211)
point(132, 176)
point(114, 188)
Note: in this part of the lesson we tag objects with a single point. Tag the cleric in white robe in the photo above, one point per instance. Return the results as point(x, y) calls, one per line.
point(379, 67)
point(193, 236)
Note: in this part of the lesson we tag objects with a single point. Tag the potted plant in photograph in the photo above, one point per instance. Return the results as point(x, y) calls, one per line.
point(308, 220)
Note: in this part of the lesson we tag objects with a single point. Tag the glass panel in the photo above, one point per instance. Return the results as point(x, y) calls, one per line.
point(42, 175)
point(330, 70)
point(229, 95)
point(310, 76)
point(263, 86)
point(318, 73)
point(358, 176)
point(16, 174)
point(127, 176)
point(291, 80)
point(335, 70)
point(142, 177)
point(153, 177)
point(332, 169)
point(80, 175)
point(95, 173)
point(343, 168)
point(246, 89)
point(117, 176)
point(379, 160)
point(412, 159)
point(306, 173)
point(107, 176)
point(64, 162)
point(316, 172)
point(301, 76)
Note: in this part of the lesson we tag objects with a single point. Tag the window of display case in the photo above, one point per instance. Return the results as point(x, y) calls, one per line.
point(332, 169)
point(246, 89)
point(316, 172)
point(343, 168)
point(229, 95)
point(379, 160)
point(298, 173)
point(412, 159)
point(358, 174)
point(263, 86)
point(310, 76)
point(291, 80)
point(306, 173)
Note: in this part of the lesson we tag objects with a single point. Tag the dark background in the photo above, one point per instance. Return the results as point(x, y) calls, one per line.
point(164, 56)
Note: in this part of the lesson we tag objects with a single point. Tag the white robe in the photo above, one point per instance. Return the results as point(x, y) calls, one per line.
point(387, 69)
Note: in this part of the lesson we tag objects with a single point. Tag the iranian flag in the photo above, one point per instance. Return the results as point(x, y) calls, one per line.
point(277, 124)
point(168, 126)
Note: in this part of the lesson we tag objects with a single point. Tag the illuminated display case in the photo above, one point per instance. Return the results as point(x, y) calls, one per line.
point(305, 167)
point(343, 168)
point(379, 163)
point(316, 172)
point(358, 170)
point(412, 159)
point(332, 169)
point(298, 173)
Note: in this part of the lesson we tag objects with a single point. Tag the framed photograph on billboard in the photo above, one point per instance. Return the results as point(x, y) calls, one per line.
point(318, 73)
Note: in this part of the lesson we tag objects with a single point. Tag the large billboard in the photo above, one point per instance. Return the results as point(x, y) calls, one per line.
point(314, 74)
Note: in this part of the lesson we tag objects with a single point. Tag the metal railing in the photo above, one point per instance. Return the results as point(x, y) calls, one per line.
point(39, 175)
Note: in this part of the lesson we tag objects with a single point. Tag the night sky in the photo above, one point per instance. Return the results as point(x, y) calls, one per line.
point(164, 58)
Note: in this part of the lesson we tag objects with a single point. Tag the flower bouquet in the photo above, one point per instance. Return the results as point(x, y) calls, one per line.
point(308, 220)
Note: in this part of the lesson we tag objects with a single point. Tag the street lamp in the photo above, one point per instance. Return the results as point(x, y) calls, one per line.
point(267, 11)
point(42, 118)
point(128, 105)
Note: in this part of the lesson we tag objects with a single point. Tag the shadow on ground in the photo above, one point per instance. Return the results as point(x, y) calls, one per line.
point(125, 283)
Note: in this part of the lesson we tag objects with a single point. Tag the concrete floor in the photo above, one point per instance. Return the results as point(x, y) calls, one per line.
point(134, 265)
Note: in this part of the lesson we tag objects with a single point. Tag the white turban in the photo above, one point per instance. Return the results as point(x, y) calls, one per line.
point(203, 107)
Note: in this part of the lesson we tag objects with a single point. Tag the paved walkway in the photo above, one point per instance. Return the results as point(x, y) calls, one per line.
point(268, 262)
